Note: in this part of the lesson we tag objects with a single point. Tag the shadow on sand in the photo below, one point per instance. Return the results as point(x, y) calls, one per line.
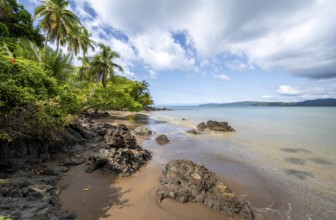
point(90, 196)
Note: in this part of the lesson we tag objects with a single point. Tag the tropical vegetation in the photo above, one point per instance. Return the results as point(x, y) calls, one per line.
point(41, 90)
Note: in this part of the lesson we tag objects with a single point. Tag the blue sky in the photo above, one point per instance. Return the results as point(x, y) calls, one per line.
point(201, 51)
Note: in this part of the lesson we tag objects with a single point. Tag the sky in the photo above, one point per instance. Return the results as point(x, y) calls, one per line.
point(218, 51)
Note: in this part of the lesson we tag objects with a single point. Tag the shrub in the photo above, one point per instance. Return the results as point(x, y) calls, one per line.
point(31, 102)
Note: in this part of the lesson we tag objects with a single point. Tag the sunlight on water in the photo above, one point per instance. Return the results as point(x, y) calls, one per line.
point(294, 147)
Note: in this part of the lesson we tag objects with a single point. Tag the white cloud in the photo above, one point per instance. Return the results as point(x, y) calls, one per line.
point(294, 36)
point(305, 92)
point(152, 74)
point(239, 66)
point(288, 91)
point(79, 10)
point(158, 50)
point(126, 51)
point(267, 97)
point(222, 77)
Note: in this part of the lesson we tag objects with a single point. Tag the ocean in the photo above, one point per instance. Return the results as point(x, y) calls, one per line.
point(282, 159)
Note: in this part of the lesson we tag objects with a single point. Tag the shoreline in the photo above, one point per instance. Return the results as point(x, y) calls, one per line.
point(110, 197)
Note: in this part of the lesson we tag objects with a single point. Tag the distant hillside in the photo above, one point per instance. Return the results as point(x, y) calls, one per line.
point(233, 104)
point(316, 102)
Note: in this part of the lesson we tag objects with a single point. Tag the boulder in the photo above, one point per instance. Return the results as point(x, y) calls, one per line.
point(193, 131)
point(143, 131)
point(120, 137)
point(85, 133)
point(201, 126)
point(162, 139)
point(123, 162)
point(185, 181)
point(219, 126)
point(102, 128)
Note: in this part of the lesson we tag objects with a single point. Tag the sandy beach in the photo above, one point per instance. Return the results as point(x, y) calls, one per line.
point(101, 196)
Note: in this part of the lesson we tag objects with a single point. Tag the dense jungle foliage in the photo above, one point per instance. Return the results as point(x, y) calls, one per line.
point(41, 90)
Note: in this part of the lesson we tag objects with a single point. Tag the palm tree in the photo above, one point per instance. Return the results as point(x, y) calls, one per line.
point(146, 100)
point(103, 65)
point(141, 93)
point(79, 39)
point(57, 20)
point(143, 88)
point(84, 72)
point(58, 63)
point(100, 68)
point(87, 42)
point(4, 9)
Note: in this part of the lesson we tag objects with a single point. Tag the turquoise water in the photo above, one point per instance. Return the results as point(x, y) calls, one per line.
point(293, 148)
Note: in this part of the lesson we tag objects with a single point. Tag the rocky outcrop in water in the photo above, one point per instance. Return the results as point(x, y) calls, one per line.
point(185, 181)
point(215, 126)
point(162, 139)
point(143, 131)
point(153, 109)
point(193, 131)
point(202, 126)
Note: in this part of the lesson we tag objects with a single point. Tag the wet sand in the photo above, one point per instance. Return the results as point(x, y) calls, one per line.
point(98, 196)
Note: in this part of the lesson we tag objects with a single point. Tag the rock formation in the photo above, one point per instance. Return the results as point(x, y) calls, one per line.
point(143, 131)
point(193, 131)
point(27, 196)
point(29, 192)
point(162, 139)
point(120, 154)
point(201, 126)
point(215, 126)
point(185, 181)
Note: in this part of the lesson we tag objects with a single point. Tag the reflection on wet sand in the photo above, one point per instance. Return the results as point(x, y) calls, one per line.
point(295, 150)
point(295, 160)
point(302, 175)
point(320, 161)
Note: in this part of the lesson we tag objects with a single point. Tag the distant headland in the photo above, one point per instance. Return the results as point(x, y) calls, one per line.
point(330, 102)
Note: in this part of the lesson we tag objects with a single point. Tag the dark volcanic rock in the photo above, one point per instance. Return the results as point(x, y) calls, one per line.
point(55, 170)
point(73, 161)
point(77, 126)
point(202, 126)
point(193, 131)
point(120, 137)
point(20, 152)
point(143, 131)
point(124, 162)
point(219, 126)
point(102, 128)
point(162, 139)
point(215, 126)
point(185, 181)
point(122, 154)
point(26, 196)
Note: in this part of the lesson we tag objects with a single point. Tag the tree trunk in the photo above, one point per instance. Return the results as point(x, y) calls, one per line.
point(46, 41)
point(92, 93)
point(58, 42)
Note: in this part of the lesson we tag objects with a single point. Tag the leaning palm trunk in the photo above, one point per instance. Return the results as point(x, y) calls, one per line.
point(92, 93)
